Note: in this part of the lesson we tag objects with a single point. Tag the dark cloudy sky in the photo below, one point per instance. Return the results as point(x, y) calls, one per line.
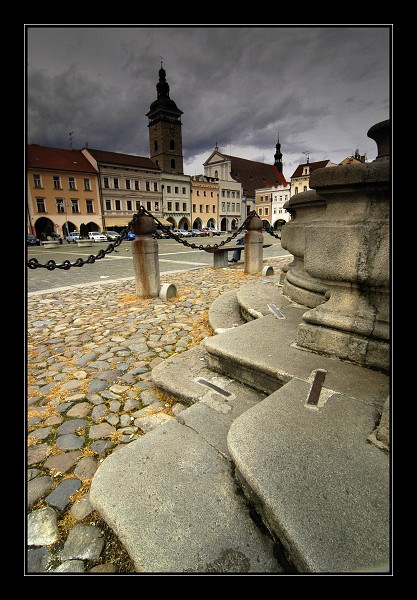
point(322, 87)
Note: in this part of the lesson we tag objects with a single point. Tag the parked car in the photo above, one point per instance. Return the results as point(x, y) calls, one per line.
point(183, 233)
point(96, 236)
point(198, 233)
point(54, 236)
point(211, 230)
point(112, 236)
point(32, 240)
point(160, 233)
point(130, 236)
point(73, 237)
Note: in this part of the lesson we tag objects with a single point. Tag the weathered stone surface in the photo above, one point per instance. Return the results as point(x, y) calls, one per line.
point(70, 441)
point(37, 488)
point(42, 527)
point(86, 468)
point(62, 462)
point(102, 430)
point(101, 446)
point(82, 508)
point(38, 560)
point(70, 566)
point(71, 426)
point(147, 423)
point(37, 453)
point(79, 410)
point(60, 497)
point(83, 542)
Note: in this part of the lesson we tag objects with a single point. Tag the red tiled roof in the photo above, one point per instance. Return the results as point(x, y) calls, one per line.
point(57, 159)
point(128, 160)
point(254, 175)
point(313, 166)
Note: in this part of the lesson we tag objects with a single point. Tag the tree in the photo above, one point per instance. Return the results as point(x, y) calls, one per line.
point(83, 231)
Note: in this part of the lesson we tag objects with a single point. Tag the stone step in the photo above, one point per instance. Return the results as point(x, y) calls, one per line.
point(172, 500)
point(224, 312)
point(320, 487)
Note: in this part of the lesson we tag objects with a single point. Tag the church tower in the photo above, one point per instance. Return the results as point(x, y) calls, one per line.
point(165, 136)
point(278, 156)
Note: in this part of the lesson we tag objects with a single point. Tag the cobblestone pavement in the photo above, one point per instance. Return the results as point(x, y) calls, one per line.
point(90, 353)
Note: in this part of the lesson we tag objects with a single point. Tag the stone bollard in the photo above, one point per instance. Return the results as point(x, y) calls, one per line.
point(348, 248)
point(297, 284)
point(145, 258)
point(253, 246)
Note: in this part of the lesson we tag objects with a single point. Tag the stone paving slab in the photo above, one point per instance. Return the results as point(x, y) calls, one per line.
point(319, 485)
point(171, 499)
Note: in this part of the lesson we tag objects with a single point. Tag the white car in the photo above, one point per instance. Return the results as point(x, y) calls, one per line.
point(73, 237)
point(96, 236)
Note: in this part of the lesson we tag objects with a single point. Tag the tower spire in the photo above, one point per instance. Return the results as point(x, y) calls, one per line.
point(278, 156)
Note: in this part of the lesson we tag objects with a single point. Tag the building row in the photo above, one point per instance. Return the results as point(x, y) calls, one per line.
point(104, 189)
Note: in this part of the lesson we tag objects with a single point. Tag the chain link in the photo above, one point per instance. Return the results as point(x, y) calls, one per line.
point(33, 263)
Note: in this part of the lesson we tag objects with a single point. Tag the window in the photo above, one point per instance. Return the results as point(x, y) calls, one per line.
point(137, 204)
point(201, 208)
point(177, 206)
point(155, 145)
point(169, 206)
point(223, 207)
point(116, 183)
point(194, 208)
point(198, 192)
point(148, 205)
point(280, 198)
point(296, 190)
point(117, 204)
point(207, 208)
point(184, 190)
point(228, 207)
point(214, 208)
point(108, 204)
point(37, 181)
point(216, 174)
point(106, 182)
point(136, 185)
point(222, 193)
point(184, 207)
point(275, 210)
point(155, 187)
point(129, 204)
point(156, 205)
point(176, 189)
point(148, 186)
point(71, 181)
point(228, 193)
point(40, 203)
point(57, 182)
point(60, 208)
point(168, 189)
point(211, 194)
point(172, 163)
point(237, 194)
point(171, 144)
point(266, 210)
point(87, 184)
point(233, 207)
point(74, 205)
point(237, 206)
point(262, 198)
point(204, 193)
point(89, 204)
point(233, 194)
point(260, 211)
point(305, 188)
point(128, 184)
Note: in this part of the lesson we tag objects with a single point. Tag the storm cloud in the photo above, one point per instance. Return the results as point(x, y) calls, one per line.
point(320, 87)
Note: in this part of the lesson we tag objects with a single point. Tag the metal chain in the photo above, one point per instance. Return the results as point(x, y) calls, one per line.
point(33, 263)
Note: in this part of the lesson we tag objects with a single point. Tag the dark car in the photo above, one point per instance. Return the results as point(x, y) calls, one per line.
point(112, 236)
point(160, 234)
point(32, 240)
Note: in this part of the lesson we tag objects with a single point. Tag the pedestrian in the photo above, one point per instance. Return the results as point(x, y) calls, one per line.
point(236, 253)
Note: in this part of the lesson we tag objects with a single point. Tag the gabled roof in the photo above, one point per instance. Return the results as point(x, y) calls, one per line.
point(313, 166)
point(254, 175)
point(57, 159)
point(126, 160)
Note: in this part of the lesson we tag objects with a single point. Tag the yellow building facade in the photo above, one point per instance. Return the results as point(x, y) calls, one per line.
point(204, 202)
point(62, 192)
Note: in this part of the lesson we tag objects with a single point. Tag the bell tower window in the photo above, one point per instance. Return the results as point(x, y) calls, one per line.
point(155, 145)
point(171, 144)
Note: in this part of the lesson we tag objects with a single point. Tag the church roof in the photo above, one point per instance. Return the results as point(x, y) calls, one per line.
point(254, 175)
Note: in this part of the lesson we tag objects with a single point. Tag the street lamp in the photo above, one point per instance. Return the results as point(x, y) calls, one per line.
point(66, 217)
